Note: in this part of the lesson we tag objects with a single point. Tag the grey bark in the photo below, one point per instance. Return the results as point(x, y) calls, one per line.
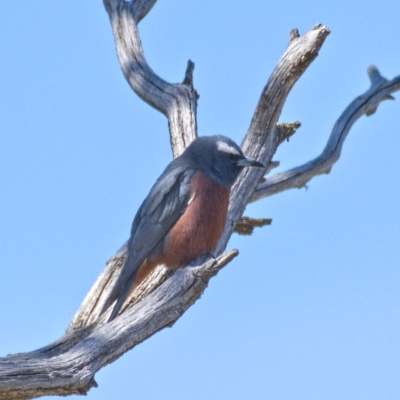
point(380, 89)
point(69, 365)
point(178, 102)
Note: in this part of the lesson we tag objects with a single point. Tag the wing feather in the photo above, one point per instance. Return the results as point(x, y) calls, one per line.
point(165, 203)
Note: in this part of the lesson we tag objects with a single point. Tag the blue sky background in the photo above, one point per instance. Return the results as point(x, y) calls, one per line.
point(310, 308)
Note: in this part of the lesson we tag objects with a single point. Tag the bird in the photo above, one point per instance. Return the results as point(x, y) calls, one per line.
point(184, 214)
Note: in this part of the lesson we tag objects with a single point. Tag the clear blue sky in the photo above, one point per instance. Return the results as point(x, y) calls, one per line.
point(310, 308)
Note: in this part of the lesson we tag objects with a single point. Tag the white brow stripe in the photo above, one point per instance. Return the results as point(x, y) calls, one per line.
point(222, 146)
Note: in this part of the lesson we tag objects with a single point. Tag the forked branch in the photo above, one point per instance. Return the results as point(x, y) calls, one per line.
point(68, 366)
point(178, 102)
point(263, 136)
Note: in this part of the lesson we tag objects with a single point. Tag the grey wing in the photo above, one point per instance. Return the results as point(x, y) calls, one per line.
point(160, 210)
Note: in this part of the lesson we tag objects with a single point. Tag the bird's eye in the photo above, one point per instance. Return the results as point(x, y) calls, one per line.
point(234, 157)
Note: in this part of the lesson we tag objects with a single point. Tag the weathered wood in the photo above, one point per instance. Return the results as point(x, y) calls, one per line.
point(263, 136)
point(68, 366)
point(367, 104)
point(178, 102)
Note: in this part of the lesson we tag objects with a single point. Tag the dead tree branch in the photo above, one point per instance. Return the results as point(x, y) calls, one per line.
point(367, 104)
point(69, 365)
point(178, 102)
point(263, 136)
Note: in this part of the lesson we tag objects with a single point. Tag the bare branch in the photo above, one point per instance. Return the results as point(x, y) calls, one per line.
point(90, 309)
point(68, 366)
point(271, 166)
point(367, 104)
point(178, 102)
point(263, 138)
point(140, 8)
point(188, 81)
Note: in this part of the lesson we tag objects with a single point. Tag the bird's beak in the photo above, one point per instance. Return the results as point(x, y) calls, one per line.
point(249, 162)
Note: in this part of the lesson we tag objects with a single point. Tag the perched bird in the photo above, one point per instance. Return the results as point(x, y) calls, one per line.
point(184, 214)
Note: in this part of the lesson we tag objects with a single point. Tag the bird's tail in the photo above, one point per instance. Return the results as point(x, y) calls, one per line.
point(121, 289)
point(120, 298)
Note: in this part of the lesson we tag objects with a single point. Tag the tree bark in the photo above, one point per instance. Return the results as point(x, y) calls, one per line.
point(381, 89)
point(69, 365)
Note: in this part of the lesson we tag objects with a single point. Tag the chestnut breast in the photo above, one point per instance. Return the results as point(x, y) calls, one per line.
point(199, 228)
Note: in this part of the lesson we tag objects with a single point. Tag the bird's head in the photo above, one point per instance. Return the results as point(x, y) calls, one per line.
point(218, 157)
